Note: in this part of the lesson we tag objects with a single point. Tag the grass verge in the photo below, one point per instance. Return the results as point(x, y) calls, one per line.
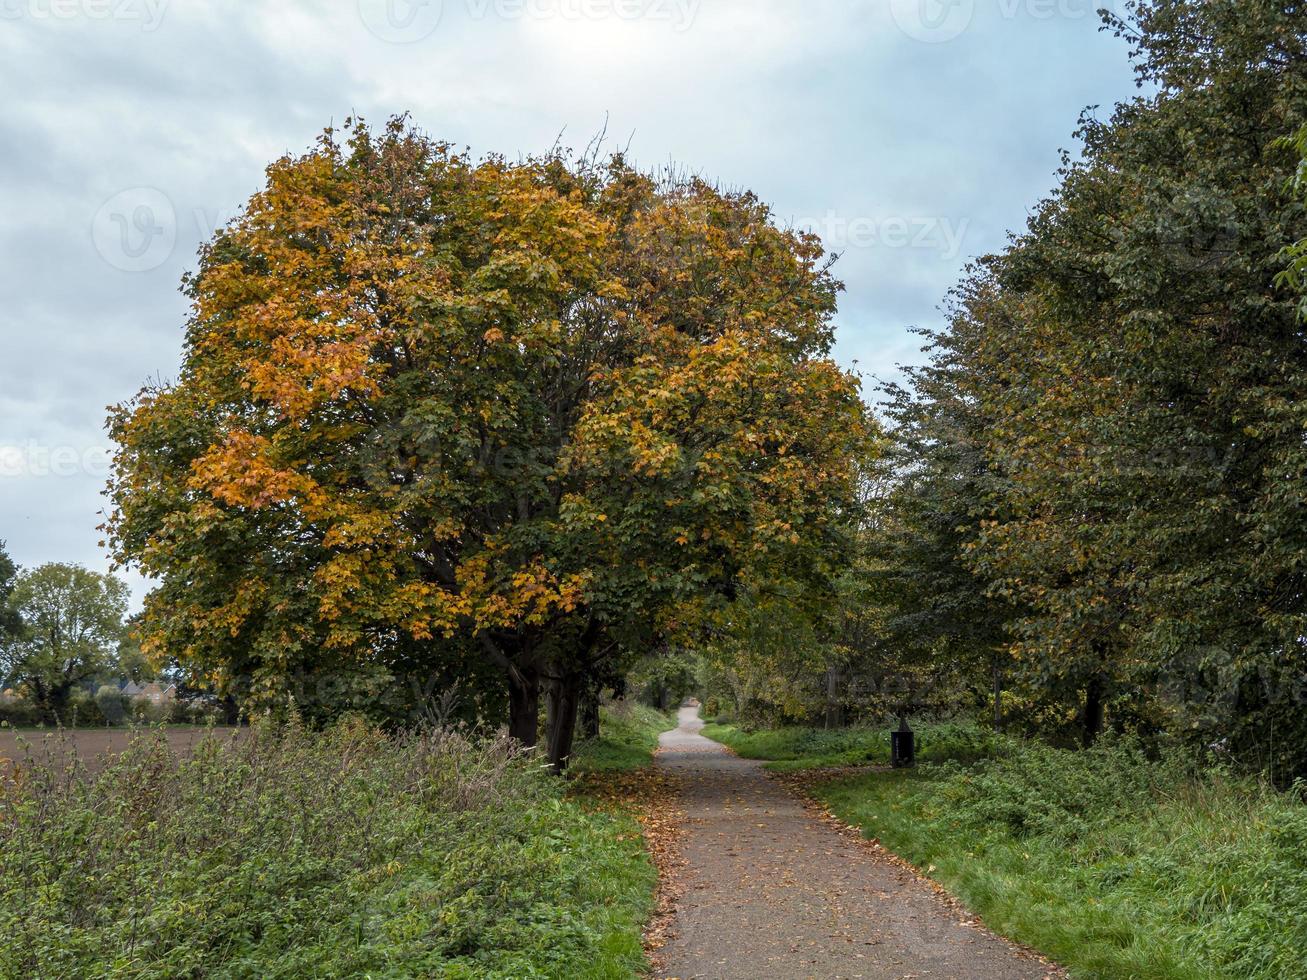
point(628, 736)
point(796, 748)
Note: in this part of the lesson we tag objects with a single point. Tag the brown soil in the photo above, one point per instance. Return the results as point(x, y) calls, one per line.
point(93, 745)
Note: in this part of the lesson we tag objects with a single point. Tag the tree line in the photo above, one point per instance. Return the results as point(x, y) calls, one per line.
point(1098, 478)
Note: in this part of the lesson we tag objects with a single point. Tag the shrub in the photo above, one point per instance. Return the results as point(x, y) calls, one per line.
point(115, 706)
point(290, 853)
point(83, 711)
point(18, 712)
point(1051, 791)
point(1109, 862)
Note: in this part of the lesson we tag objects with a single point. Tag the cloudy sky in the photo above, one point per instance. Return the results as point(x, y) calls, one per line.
point(912, 134)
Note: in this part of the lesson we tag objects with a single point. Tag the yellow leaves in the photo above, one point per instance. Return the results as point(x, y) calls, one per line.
point(241, 472)
point(399, 399)
point(499, 593)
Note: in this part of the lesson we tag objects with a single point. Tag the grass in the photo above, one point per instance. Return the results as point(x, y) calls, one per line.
point(797, 748)
point(628, 736)
point(293, 853)
point(1115, 865)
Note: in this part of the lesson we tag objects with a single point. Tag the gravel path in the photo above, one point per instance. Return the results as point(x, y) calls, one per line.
point(774, 893)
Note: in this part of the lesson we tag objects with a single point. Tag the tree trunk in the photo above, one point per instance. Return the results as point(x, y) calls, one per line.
point(998, 696)
point(231, 711)
point(660, 697)
point(524, 705)
point(1094, 710)
point(590, 712)
point(54, 702)
point(564, 696)
point(834, 710)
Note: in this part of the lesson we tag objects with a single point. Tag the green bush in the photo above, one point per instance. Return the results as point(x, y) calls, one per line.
point(290, 854)
point(115, 707)
point(18, 713)
point(83, 711)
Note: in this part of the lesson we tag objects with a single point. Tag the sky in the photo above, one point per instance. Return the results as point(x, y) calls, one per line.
point(913, 135)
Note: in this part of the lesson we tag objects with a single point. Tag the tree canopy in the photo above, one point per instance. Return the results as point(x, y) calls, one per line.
point(451, 418)
point(1106, 451)
point(71, 625)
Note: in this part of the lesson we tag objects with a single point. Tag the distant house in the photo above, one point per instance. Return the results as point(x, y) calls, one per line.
point(131, 689)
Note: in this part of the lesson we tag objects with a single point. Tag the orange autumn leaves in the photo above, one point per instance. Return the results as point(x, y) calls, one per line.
point(425, 399)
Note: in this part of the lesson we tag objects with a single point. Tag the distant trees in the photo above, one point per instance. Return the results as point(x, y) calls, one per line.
point(463, 419)
point(10, 623)
point(1102, 467)
point(71, 624)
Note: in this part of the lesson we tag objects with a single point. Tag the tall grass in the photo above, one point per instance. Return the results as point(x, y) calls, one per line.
point(293, 853)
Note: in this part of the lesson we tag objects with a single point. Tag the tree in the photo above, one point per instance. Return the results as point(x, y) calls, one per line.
point(72, 623)
point(10, 622)
point(440, 417)
point(130, 661)
point(940, 486)
point(1137, 377)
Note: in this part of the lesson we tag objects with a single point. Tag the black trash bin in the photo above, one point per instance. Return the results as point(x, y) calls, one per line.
point(902, 750)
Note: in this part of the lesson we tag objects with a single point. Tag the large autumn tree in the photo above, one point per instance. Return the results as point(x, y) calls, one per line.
point(439, 417)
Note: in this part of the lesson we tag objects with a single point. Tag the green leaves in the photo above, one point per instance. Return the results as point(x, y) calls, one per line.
point(435, 409)
point(71, 624)
point(1108, 438)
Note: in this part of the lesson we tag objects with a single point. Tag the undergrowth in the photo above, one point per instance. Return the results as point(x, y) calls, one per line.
point(1112, 864)
point(628, 736)
point(292, 853)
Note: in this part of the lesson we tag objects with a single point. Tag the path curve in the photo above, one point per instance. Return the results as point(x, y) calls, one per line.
point(773, 893)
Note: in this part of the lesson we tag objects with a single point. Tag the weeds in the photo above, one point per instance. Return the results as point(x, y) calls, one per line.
point(1115, 865)
point(293, 853)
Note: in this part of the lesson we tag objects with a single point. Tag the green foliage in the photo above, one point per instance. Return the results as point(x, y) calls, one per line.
point(449, 417)
point(10, 622)
point(788, 749)
point(18, 713)
point(115, 707)
point(1113, 865)
point(289, 854)
point(1096, 496)
point(666, 678)
point(72, 621)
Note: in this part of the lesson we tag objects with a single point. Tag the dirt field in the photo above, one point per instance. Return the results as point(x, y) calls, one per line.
point(92, 744)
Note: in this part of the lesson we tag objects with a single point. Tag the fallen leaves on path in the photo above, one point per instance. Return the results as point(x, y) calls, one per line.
point(803, 783)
